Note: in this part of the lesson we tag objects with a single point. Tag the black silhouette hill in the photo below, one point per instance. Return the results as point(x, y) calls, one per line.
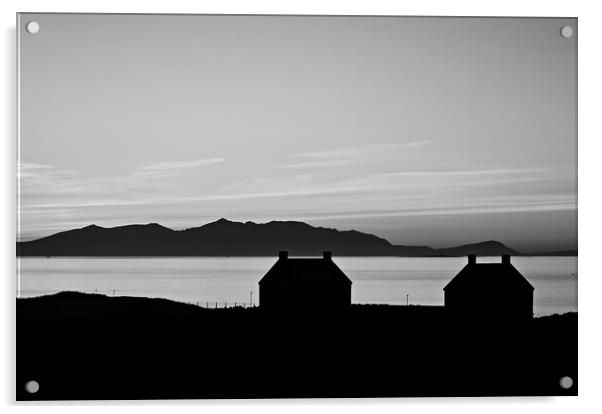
point(83, 346)
point(487, 248)
point(228, 238)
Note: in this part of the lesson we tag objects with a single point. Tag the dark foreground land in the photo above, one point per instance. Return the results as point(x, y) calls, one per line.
point(81, 346)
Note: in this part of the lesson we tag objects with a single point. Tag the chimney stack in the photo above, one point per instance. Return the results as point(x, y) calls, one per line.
point(327, 255)
point(506, 259)
point(472, 258)
point(283, 255)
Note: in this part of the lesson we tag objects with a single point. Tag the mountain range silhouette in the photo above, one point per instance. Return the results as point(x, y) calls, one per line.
point(229, 238)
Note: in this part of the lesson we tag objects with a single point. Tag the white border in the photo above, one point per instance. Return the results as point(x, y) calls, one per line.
point(590, 209)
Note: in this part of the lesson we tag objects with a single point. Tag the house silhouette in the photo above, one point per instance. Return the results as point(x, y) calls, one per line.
point(305, 283)
point(491, 291)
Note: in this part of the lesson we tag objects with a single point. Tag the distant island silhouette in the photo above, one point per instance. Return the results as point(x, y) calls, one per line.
point(229, 238)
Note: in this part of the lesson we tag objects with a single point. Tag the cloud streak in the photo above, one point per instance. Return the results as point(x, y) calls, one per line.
point(178, 165)
point(368, 150)
point(356, 155)
point(173, 168)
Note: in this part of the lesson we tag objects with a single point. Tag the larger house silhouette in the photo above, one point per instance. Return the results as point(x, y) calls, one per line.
point(493, 291)
point(305, 283)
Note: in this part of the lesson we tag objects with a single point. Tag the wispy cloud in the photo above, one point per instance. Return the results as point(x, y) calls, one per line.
point(47, 187)
point(364, 150)
point(474, 173)
point(173, 168)
point(356, 155)
point(325, 163)
point(36, 170)
point(34, 177)
point(177, 165)
point(487, 207)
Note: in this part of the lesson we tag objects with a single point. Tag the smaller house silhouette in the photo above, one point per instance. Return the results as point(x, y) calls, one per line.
point(304, 283)
point(492, 291)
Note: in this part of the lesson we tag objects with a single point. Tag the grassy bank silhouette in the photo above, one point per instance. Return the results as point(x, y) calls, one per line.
point(90, 346)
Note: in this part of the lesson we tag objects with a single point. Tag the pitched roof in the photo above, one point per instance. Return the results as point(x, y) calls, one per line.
point(314, 271)
point(488, 276)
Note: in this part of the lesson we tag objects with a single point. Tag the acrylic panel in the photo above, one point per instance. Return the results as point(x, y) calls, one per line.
point(256, 206)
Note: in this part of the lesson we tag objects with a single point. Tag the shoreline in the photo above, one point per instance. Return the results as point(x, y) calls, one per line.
point(73, 295)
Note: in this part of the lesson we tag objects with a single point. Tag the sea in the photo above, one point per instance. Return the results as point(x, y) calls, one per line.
point(221, 281)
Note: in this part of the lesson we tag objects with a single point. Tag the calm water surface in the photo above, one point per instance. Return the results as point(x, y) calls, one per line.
point(211, 280)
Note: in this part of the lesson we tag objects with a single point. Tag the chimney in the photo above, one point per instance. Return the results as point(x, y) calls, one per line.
point(283, 255)
point(472, 259)
point(327, 255)
point(506, 259)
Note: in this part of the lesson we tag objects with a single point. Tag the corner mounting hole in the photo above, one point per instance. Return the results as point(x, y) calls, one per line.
point(566, 382)
point(566, 31)
point(32, 27)
point(32, 387)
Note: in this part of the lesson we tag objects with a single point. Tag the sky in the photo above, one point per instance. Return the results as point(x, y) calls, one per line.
point(425, 131)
